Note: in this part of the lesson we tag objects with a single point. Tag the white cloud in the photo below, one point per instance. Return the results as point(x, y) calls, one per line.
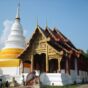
point(25, 32)
point(7, 27)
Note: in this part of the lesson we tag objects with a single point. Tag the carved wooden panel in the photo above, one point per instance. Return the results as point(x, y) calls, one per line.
point(43, 45)
point(51, 50)
point(39, 45)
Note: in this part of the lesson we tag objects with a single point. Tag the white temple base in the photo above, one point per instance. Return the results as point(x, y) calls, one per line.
point(60, 79)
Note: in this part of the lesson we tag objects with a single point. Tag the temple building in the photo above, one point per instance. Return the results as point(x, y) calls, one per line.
point(48, 52)
point(55, 57)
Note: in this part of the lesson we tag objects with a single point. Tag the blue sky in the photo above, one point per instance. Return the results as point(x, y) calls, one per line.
point(69, 16)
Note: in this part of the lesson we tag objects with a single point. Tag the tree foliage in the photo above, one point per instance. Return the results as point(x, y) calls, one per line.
point(86, 54)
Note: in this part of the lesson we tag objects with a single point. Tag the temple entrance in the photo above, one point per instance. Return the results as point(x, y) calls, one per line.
point(39, 62)
point(53, 65)
point(63, 63)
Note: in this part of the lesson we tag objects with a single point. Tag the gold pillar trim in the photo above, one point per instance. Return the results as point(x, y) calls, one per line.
point(59, 60)
point(47, 58)
point(31, 63)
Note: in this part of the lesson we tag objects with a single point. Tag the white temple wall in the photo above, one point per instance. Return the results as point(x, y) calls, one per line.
point(26, 70)
point(73, 75)
point(63, 78)
point(84, 76)
point(55, 79)
point(9, 71)
point(62, 71)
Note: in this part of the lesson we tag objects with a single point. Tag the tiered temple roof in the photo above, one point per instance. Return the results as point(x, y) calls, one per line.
point(56, 39)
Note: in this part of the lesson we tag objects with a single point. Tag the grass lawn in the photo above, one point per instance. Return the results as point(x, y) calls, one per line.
point(68, 86)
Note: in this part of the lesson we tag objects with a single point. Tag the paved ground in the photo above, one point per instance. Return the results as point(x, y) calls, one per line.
point(80, 86)
point(35, 86)
point(83, 86)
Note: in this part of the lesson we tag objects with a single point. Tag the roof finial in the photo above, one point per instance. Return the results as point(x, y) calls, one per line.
point(18, 11)
point(37, 22)
point(46, 23)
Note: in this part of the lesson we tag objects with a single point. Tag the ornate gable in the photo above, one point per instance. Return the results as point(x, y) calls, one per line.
point(37, 41)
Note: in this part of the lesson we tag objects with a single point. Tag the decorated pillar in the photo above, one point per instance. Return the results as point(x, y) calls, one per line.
point(31, 63)
point(67, 65)
point(59, 67)
point(47, 66)
point(76, 68)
